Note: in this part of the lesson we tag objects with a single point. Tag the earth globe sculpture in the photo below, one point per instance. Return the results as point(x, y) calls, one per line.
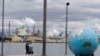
point(84, 43)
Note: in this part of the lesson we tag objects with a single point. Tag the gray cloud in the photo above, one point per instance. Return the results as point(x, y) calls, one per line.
point(79, 10)
point(34, 8)
point(84, 9)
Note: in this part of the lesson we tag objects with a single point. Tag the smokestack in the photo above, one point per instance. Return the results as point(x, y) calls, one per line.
point(9, 28)
point(16, 31)
point(28, 30)
point(34, 29)
point(38, 32)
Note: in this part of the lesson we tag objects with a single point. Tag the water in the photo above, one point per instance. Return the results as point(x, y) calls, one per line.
point(52, 48)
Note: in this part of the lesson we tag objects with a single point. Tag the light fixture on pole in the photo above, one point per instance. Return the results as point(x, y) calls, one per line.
point(67, 4)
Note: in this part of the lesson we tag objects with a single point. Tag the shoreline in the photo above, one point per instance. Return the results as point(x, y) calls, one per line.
point(33, 42)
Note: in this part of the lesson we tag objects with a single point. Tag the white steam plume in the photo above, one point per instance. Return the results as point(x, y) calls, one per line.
point(53, 32)
point(28, 21)
point(18, 22)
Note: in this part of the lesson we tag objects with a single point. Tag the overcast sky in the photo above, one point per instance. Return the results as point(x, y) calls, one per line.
point(79, 10)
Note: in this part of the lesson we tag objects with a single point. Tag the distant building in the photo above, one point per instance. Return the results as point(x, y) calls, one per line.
point(22, 31)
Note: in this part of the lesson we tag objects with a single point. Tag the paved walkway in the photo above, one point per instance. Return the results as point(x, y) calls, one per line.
point(34, 55)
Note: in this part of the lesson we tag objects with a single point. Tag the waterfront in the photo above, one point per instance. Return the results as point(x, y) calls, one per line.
point(52, 49)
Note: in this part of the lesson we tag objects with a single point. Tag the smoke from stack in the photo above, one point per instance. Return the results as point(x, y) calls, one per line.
point(26, 21)
point(53, 32)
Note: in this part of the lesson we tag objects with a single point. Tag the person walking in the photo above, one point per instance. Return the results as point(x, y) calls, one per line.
point(27, 48)
point(30, 48)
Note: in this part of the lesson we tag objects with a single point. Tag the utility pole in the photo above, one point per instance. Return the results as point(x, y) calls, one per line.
point(67, 4)
point(44, 27)
point(2, 27)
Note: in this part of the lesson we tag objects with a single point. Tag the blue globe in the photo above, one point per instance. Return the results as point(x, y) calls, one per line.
point(84, 44)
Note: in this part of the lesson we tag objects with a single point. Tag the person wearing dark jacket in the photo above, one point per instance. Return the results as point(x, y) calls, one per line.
point(27, 48)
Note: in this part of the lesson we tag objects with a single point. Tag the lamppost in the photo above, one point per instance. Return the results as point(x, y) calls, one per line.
point(2, 27)
point(44, 27)
point(67, 4)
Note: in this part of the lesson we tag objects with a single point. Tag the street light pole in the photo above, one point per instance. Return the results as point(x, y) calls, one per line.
point(44, 27)
point(67, 4)
point(2, 27)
